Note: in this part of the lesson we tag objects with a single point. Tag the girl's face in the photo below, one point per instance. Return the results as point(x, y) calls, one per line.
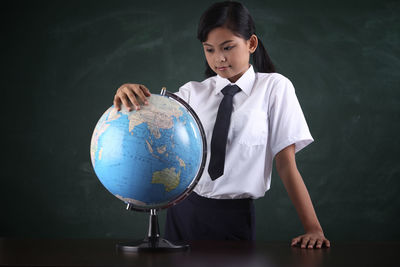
point(228, 54)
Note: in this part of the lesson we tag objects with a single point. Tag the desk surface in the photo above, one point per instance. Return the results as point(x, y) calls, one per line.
point(102, 252)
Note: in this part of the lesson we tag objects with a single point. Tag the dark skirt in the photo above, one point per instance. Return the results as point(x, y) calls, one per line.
point(200, 218)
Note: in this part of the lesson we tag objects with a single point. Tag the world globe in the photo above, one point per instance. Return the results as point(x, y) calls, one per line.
point(151, 159)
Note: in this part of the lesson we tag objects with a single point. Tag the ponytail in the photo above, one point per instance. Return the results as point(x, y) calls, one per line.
point(261, 60)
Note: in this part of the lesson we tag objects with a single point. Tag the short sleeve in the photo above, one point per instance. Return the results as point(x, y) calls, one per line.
point(287, 124)
point(184, 92)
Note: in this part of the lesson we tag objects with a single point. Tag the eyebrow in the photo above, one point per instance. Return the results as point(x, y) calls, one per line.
point(227, 41)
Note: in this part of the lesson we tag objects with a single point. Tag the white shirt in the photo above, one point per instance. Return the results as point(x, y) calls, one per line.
point(266, 118)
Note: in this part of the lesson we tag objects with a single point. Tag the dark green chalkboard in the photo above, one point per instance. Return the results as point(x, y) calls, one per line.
point(63, 60)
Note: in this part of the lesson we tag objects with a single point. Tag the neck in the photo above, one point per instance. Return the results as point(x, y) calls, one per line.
point(233, 79)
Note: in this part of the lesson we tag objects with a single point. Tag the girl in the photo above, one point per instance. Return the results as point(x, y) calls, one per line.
point(249, 118)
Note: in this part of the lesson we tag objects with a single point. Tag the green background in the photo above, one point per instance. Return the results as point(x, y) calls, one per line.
point(63, 61)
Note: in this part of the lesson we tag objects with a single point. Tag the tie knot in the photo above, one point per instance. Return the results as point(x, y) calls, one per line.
point(230, 90)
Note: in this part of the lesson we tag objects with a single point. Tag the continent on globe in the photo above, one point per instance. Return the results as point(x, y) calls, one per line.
point(161, 149)
point(101, 127)
point(168, 177)
point(158, 115)
point(181, 162)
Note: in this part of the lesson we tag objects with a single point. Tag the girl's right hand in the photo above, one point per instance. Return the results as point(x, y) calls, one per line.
point(129, 93)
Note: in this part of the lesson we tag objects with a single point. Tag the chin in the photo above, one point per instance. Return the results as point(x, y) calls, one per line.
point(224, 75)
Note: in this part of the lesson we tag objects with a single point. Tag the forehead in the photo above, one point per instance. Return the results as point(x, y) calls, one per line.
point(221, 34)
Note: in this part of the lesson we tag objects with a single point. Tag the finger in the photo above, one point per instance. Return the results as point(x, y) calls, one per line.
point(117, 102)
point(295, 241)
point(145, 90)
point(319, 243)
point(141, 95)
point(327, 243)
point(121, 95)
point(304, 242)
point(135, 103)
point(132, 91)
point(311, 243)
point(133, 99)
point(128, 91)
point(126, 102)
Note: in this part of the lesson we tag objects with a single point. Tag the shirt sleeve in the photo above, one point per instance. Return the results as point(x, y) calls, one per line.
point(287, 123)
point(184, 92)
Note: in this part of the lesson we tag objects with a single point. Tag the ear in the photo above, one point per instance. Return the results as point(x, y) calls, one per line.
point(252, 43)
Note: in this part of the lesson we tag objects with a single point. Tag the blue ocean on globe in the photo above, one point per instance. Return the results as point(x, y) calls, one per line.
point(148, 157)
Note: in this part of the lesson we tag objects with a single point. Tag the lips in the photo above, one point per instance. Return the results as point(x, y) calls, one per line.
point(222, 68)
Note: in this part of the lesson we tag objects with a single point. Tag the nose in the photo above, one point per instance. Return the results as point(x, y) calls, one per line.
point(220, 57)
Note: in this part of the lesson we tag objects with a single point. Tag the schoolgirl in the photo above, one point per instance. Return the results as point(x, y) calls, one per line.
point(251, 116)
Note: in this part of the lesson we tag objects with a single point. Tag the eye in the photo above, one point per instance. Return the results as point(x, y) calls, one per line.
point(209, 50)
point(227, 48)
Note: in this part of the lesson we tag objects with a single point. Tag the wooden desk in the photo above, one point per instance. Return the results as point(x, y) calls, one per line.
point(76, 252)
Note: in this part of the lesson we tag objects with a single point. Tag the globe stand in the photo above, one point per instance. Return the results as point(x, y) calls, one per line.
point(153, 242)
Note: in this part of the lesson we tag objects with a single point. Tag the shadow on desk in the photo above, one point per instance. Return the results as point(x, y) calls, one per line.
point(76, 252)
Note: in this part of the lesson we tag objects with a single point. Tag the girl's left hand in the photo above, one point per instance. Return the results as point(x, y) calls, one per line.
point(309, 239)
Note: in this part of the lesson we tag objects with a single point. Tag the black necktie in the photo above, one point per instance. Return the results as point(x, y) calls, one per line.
point(220, 133)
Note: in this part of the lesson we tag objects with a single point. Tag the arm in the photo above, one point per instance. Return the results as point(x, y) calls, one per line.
point(297, 191)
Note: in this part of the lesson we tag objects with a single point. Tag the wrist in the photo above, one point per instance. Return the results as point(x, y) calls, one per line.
point(314, 229)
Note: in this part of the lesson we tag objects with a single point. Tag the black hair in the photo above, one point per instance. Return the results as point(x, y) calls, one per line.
point(235, 17)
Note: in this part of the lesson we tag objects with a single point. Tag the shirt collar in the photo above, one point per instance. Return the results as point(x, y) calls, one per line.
point(245, 82)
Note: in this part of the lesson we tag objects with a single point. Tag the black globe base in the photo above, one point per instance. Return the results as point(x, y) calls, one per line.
point(159, 245)
point(153, 242)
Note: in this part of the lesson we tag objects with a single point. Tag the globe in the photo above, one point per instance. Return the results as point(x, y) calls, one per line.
point(149, 158)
